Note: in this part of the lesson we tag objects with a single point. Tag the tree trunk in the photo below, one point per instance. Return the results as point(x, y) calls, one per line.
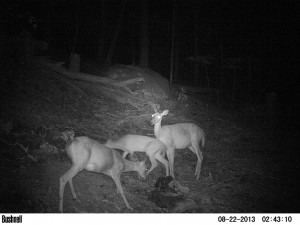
point(233, 86)
point(196, 43)
point(221, 67)
point(144, 42)
point(74, 63)
point(173, 44)
point(75, 39)
point(75, 58)
point(176, 60)
point(101, 40)
point(114, 41)
point(249, 81)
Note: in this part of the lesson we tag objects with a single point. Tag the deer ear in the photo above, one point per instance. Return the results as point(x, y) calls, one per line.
point(165, 112)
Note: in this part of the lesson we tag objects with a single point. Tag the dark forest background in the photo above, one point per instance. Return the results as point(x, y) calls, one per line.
point(248, 46)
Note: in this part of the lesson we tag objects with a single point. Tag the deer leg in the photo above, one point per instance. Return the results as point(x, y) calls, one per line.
point(196, 149)
point(200, 159)
point(125, 154)
point(170, 155)
point(165, 162)
point(63, 180)
point(153, 164)
point(117, 181)
point(197, 165)
point(72, 189)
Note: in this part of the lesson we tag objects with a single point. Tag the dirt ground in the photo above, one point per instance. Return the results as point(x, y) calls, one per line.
point(248, 167)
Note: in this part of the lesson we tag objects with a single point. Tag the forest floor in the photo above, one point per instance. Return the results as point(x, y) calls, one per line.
point(248, 167)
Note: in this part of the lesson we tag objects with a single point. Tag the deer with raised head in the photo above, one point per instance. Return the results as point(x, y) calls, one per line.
point(179, 136)
point(88, 154)
point(154, 149)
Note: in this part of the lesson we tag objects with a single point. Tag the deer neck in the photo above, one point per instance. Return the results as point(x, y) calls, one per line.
point(157, 128)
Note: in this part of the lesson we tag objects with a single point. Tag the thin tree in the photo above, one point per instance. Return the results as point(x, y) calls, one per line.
point(232, 63)
point(221, 64)
point(196, 42)
point(74, 57)
point(144, 38)
point(173, 44)
point(101, 40)
point(114, 40)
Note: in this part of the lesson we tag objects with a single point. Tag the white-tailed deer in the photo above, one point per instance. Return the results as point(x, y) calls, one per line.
point(88, 154)
point(154, 149)
point(179, 136)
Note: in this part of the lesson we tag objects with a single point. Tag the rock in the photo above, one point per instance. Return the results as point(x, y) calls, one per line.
point(169, 194)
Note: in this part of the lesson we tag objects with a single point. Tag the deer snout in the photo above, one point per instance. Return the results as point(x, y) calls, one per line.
point(142, 176)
